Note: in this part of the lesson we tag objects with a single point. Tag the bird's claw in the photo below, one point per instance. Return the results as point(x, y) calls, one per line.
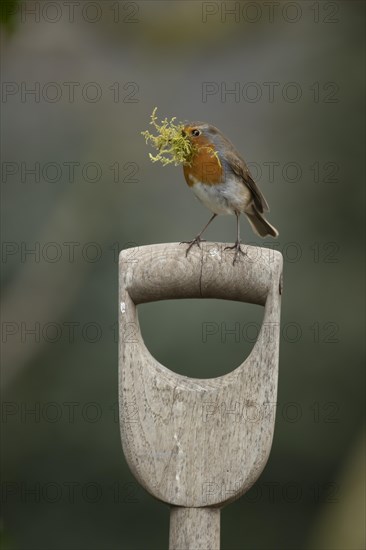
point(238, 250)
point(196, 241)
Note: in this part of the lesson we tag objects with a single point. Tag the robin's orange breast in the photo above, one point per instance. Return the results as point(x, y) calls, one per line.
point(205, 167)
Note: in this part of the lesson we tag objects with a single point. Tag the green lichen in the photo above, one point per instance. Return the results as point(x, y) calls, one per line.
point(173, 147)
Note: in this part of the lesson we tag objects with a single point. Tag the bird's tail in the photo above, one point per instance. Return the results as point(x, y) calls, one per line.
point(259, 224)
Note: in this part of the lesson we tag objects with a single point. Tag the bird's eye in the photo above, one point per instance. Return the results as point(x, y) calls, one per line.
point(195, 133)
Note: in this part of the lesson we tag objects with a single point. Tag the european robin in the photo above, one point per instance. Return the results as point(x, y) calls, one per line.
point(221, 180)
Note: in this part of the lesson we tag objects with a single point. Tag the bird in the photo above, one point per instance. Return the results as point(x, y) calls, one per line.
point(221, 180)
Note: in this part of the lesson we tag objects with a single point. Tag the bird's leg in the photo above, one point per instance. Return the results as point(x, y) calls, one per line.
point(197, 240)
point(236, 246)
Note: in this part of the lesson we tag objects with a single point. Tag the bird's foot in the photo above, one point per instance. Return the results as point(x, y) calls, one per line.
point(238, 250)
point(196, 241)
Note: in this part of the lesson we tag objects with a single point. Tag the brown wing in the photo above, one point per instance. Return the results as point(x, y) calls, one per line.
point(239, 167)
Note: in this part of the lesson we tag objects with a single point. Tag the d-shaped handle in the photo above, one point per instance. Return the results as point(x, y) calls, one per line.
point(193, 442)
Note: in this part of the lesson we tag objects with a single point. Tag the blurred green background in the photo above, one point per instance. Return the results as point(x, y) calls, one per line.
point(297, 115)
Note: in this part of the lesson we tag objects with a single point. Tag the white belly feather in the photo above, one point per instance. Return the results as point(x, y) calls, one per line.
point(223, 198)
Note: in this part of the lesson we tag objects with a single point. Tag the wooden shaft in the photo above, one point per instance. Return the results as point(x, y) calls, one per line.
point(194, 528)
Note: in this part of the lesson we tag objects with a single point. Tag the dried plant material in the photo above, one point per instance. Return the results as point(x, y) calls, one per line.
point(173, 147)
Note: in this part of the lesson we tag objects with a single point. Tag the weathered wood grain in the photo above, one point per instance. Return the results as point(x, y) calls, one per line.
point(197, 443)
point(194, 528)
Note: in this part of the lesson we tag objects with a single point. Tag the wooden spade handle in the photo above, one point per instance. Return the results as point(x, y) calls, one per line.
point(179, 444)
point(163, 272)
